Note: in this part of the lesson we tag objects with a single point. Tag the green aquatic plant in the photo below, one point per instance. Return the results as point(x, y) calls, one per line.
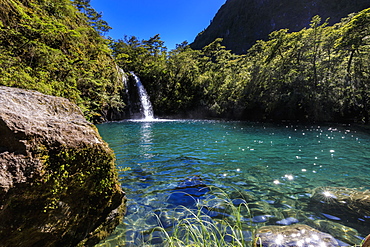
point(229, 226)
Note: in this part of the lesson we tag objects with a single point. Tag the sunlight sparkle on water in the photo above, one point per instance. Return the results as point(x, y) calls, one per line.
point(300, 243)
point(289, 176)
point(328, 194)
point(162, 153)
point(279, 239)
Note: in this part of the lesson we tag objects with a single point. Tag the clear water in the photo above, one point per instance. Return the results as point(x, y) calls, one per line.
point(277, 165)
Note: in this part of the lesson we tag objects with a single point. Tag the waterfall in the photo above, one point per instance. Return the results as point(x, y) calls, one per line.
point(146, 105)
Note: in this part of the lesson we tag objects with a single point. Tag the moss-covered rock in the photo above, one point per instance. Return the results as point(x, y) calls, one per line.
point(58, 184)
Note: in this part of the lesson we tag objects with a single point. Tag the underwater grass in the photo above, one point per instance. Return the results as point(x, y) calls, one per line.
point(218, 222)
point(227, 228)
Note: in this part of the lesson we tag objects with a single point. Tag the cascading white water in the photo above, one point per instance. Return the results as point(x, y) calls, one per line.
point(144, 99)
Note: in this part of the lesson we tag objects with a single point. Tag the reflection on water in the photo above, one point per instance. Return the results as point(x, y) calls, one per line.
point(276, 169)
point(146, 140)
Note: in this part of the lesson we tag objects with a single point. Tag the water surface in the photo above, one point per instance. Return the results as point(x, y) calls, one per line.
point(277, 165)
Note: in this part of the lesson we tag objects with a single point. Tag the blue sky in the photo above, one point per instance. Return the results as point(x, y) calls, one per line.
point(175, 20)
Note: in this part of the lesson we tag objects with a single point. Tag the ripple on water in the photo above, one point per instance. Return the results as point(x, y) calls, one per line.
point(271, 168)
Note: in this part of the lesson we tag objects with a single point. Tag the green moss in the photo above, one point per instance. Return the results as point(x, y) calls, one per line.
point(72, 199)
point(89, 168)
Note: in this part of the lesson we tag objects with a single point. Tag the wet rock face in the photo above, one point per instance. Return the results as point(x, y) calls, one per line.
point(293, 235)
point(58, 185)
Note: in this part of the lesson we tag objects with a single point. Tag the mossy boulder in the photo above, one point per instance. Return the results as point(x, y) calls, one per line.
point(58, 183)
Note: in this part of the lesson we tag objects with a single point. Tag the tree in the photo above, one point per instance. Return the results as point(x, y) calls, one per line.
point(355, 40)
point(50, 47)
point(93, 17)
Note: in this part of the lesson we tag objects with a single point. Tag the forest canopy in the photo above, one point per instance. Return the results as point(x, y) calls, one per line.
point(52, 47)
point(320, 73)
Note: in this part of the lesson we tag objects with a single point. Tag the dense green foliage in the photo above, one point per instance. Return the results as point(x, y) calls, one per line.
point(317, 74)
point(94, 18)
point(320, 73)
point(51, 47)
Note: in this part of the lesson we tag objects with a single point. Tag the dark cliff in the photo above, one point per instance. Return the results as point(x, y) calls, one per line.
point(242, 22)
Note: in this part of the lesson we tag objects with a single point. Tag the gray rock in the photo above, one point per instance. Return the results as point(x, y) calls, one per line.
point(58, 184)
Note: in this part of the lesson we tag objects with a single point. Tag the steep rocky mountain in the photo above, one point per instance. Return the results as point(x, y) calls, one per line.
point(242, 22)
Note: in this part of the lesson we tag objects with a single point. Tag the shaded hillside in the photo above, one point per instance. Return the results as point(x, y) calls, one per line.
point(52, 47)
point(242, 22)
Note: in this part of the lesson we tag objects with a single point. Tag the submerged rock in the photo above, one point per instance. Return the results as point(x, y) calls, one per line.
point(287, 221)
point(58, 184)
point(293, 235)
point(340, 203)
point(345, 234)
point(188, 192)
